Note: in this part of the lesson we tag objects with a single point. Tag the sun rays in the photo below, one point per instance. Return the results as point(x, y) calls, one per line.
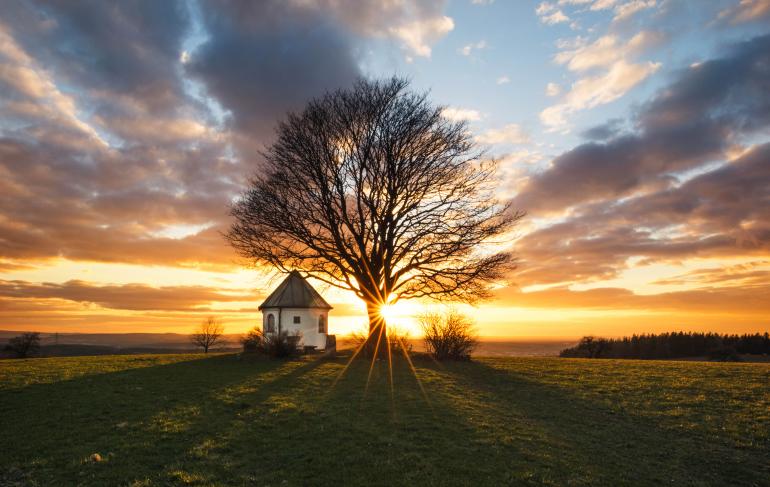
point(388, 312)
point(383, 352)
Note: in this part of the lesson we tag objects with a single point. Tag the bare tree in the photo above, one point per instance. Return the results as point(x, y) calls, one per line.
point(208, 334)
point(24, 345)
point(372, 190)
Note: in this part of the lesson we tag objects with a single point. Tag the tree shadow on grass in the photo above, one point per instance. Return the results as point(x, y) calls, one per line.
point(475, 425)
point(325, 429)
point(321, 431)
point(552, 434)
point(222, 421)
point(138, 420)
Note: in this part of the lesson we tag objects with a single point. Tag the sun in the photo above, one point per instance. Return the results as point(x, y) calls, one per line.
point(400, 315)
point(389, 312)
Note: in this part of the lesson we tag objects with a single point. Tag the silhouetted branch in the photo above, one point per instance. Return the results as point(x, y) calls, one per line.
point(372, 190)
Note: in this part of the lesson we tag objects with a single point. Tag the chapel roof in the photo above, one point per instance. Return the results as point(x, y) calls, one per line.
point(295, 292)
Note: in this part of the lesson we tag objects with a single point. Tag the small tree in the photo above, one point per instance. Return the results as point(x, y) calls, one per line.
point(253, 340)
point(24, 345)
point(208, 334)
point(448, 336)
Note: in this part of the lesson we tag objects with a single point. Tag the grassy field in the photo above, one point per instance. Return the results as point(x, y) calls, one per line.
point(223, 420)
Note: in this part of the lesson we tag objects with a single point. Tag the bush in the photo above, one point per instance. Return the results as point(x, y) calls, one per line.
point(274, 345)
point(281, 345)
point(253, 340)
point(589, 347)
point(399, 340)
point(724, 354)
point(24, 345)
point(448, 336)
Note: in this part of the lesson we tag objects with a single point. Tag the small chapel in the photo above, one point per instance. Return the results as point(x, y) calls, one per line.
point(296, 308)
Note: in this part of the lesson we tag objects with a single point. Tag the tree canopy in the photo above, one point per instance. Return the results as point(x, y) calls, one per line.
point(372, 190)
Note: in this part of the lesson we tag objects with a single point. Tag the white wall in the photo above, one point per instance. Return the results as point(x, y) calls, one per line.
point(308, 325)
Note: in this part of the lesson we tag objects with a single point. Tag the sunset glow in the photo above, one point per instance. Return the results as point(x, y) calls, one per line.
point(635, 139)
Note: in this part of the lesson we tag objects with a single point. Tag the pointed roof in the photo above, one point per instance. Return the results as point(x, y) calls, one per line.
point(295, 292)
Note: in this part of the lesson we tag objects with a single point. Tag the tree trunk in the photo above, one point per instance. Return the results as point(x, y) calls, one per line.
point(376, 342)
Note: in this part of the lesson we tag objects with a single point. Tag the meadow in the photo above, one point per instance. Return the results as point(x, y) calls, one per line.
point(231, 420)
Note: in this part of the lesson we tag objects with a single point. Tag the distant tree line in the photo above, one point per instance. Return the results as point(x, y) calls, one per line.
point(671, 345)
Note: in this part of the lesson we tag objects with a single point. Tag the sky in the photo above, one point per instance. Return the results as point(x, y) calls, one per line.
point(635, 134)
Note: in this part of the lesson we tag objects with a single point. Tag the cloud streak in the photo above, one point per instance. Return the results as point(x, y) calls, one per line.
point(607, 73)
point(134, 297)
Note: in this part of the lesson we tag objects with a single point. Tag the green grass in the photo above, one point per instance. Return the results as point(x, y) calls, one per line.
point(221, 420)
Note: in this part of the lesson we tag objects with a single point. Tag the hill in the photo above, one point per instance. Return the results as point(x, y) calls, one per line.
point(72, 344)
point(224, 420)
point(167, 341)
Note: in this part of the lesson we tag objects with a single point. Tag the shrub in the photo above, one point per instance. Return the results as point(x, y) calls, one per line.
point(253, 340)
point(281, 345)
point(399, 339)
point(448, 336)
point(724, 354)
point(588, 347)
point(24, 345)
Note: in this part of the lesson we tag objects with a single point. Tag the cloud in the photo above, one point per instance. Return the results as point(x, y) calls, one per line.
point(610, 129)
point(552, 89)
point(418, 35)
point(416, 25)
point(509, 134)
point(264, 59)
point(136, 297)
point(607, 72)
point(602, 4)
point(458, 114)
point(606, 51)
point(526, 156)
point(502, 80)
point(592, 91)
point(754, 301)
point(749, 273)
point(152, 129)
point(550, 14)
point(469, 48)
point(746, 11)
point(622, 11)
point(556, 17)
point(117, 62)
point(625, 10)
point(36, 93)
